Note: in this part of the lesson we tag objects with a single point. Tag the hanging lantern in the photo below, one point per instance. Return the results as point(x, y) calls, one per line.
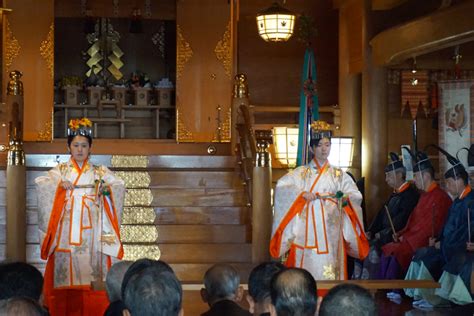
point(276, 23)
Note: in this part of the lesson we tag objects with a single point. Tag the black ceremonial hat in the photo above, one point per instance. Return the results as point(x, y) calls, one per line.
point(395, 163)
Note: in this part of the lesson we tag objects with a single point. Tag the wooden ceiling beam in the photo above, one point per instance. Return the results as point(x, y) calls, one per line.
point(445, 28)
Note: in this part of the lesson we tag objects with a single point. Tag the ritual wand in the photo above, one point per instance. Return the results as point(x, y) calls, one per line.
point(469, 223)
point(433, 220)
point(390, 220)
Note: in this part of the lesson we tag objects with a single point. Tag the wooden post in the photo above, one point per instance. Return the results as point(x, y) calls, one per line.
point(240, 97)
point(261, 199)
point(374, 119)
point(16, 174)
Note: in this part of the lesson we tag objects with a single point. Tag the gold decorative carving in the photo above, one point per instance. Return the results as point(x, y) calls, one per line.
point(223, 132)
point(184, 134)
point(138, 233)
point(120, 161)
point(135, 252)
point(46, 134)
point(47, 50)
point(138, 197)
point(224, 52)
point(135, 179)
point(138, 215)
point(12, 47)
point(241, 88)
point(184, 52)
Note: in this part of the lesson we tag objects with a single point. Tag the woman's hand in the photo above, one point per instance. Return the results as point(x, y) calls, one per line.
point(309, 196)
point(104, 189)
point(67, 185)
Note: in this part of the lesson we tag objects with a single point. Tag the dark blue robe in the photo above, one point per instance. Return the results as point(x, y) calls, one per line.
point(453, 239)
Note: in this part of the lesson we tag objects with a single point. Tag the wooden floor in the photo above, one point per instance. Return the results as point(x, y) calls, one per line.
point(193, 306)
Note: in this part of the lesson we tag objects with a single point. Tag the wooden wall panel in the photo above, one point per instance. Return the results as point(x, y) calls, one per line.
point(203, 82)
point(32, 25)
point(274, 69)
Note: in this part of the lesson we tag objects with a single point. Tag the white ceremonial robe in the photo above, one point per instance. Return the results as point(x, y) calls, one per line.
point(318, 234)
point(72, 223)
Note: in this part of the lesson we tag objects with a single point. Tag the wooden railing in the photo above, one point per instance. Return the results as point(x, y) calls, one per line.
point(256, 172)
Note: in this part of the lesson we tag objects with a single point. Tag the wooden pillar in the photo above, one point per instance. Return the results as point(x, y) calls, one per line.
point(240, 97)
point(262, 199)
point(16, 175)
point(374, 119)
point(350, 81)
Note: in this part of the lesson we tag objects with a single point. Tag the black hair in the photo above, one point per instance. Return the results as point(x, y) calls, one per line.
point(139, 266)
point(260, 279)
point(19, 279)
point(293, 293)
point(70, 138)
point(348, 299)
point(153, 292)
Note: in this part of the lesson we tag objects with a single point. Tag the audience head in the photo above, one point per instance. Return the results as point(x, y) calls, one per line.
point(153, 292)
point(140, 265)
point(348, 299)
point(21, 306)
point(293, 293)
point(259, 286)
point(113, 281)
point(221, 282)
point(19, 279)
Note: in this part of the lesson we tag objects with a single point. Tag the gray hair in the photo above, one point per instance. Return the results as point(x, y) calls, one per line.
point(221, 282)
point(113, 281)
point(21, 306)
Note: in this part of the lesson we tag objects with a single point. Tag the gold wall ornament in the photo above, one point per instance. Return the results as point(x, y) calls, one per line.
point(138, 197)
point(15, 85)
point(47, 50)
point(12, 47)
point(138, 215)
point(223, 131)
point(224, 52)
point(138, 233)
point(121, 161)
point(135, 252)
point(46, 134)
point(134, 179)
point(184, 134)
point(184, 52)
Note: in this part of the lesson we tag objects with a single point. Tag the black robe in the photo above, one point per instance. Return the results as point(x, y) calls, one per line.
point(400, 206)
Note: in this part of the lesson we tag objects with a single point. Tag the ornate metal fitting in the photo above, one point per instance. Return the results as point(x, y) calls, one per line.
point(241, 89)
point(264, 138)
point(15, 86)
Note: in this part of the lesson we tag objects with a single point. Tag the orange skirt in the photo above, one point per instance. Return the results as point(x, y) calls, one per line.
point(73, 301)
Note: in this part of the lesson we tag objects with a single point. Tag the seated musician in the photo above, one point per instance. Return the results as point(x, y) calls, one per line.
point(428, 262)
point(425, 220)
point(400, 205)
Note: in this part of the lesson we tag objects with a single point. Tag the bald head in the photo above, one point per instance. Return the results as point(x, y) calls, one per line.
point(293, 292)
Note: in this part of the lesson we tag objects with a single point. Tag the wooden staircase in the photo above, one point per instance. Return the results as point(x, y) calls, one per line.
point(201, 214)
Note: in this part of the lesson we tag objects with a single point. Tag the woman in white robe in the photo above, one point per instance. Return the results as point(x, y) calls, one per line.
point(79, 210)
point(317, 216)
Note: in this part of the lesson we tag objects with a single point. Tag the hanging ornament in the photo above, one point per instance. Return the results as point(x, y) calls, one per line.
point(158, 39)
point(457, 67)
point(148, 8)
